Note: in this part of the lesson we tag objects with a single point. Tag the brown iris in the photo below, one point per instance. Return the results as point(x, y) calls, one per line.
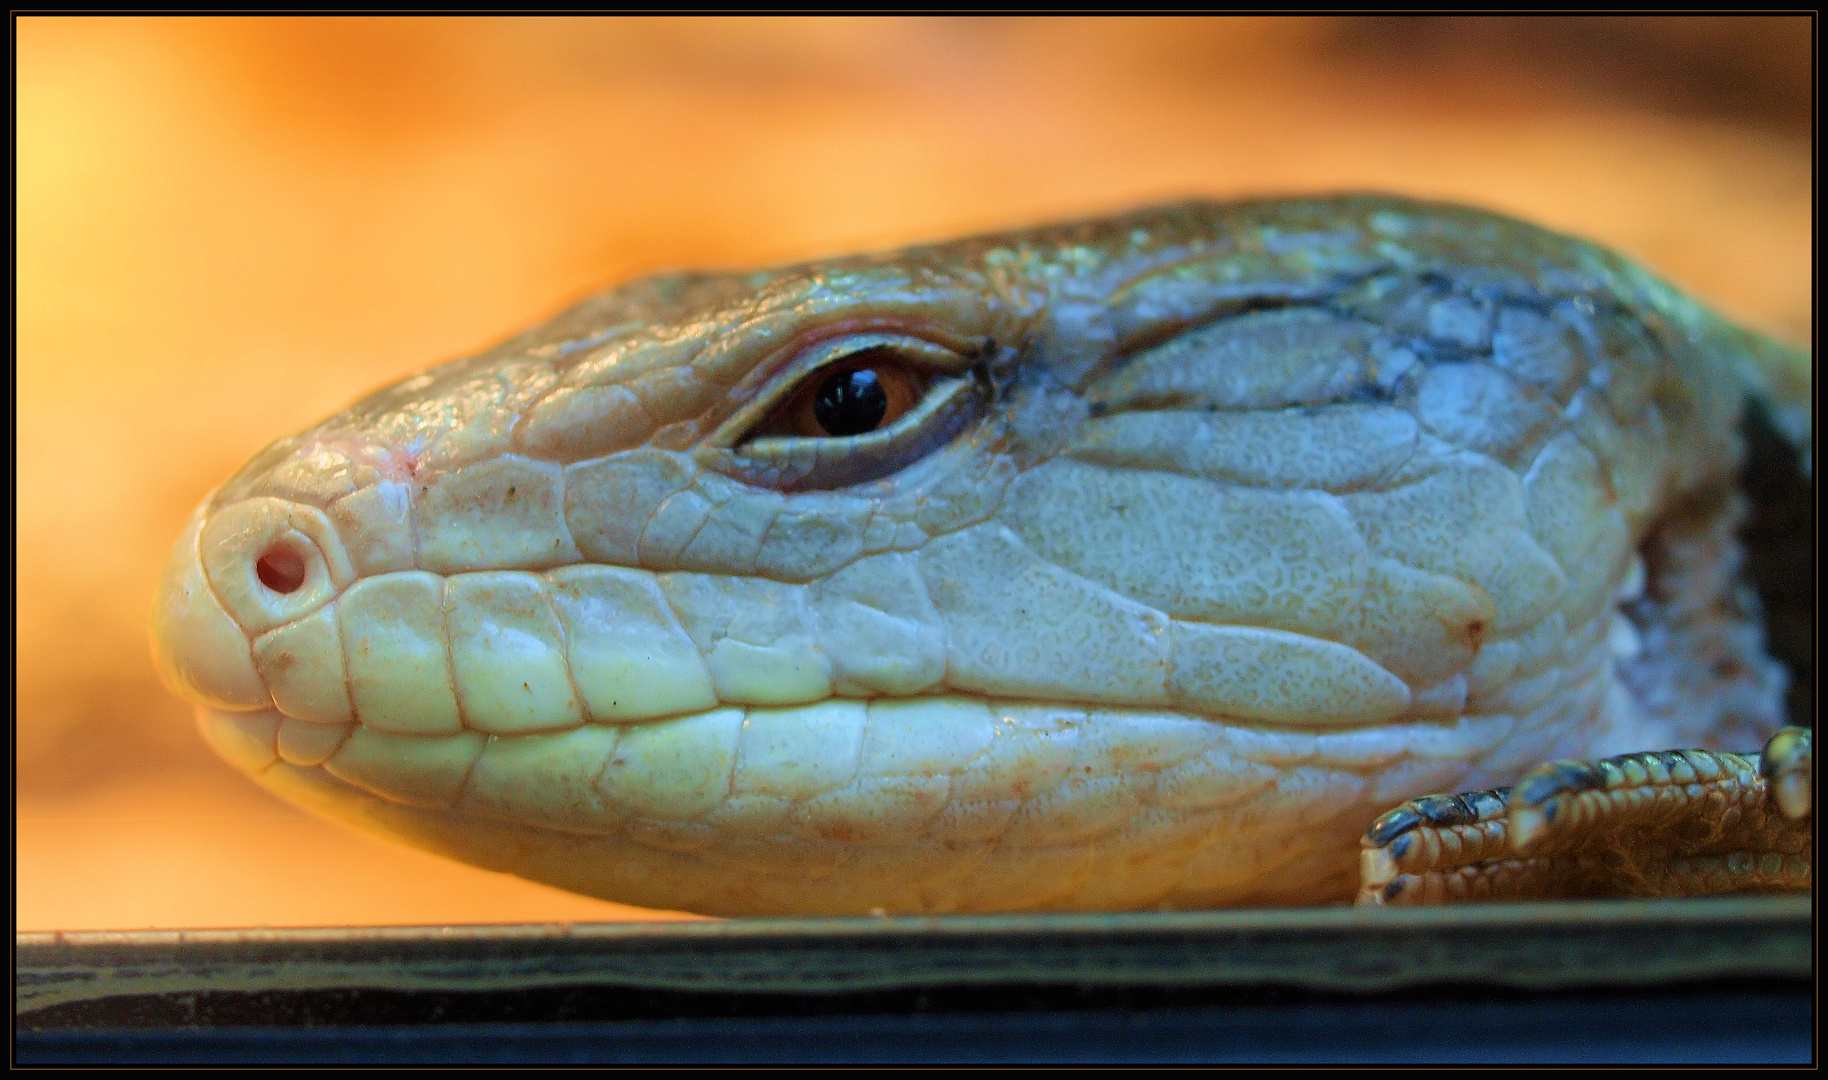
point(869, 390)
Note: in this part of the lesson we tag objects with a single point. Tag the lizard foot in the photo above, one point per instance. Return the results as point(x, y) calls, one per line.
point(1670, 823)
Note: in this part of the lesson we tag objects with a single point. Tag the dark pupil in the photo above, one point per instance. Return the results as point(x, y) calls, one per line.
point(850, 403)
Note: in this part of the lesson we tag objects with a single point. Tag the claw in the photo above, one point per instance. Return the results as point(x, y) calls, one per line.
point(1788, 766)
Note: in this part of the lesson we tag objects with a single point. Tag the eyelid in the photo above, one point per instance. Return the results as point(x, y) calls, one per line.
point(737, 428)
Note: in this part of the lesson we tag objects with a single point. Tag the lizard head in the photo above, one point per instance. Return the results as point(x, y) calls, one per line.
point(1133, 562)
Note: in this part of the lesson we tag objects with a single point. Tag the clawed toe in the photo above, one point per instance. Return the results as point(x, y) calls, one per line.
point(1788, 767)
point(1668, 823)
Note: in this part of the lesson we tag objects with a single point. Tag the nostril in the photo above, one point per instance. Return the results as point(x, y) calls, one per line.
point(272, 562)
point(281, 569)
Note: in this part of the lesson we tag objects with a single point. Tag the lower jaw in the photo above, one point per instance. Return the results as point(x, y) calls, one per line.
point(939, 805)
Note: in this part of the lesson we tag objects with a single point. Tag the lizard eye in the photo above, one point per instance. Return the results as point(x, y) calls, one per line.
point(850, 410)
point(867, 391)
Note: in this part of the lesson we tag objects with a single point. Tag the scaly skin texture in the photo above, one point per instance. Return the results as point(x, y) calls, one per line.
point(1246, 523)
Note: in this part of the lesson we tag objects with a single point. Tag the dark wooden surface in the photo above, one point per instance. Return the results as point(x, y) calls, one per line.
point(1721, 979)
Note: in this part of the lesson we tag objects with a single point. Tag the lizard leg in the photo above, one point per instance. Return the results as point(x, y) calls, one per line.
point(1669, 823)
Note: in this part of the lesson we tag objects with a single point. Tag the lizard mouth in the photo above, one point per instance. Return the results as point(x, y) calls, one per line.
point(856, 805)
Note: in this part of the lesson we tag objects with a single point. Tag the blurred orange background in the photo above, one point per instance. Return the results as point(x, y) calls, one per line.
point(229, 228)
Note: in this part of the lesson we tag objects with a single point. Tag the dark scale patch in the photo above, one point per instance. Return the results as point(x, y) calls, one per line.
point(1444, 811)
point(1559, 778)
point(1409, 308)
point(1779, 538)
point(1372, 394)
